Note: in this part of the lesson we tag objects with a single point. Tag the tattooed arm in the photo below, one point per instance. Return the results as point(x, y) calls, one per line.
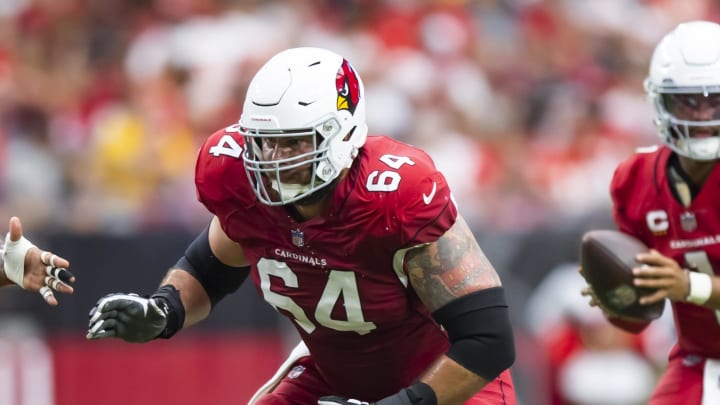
point(440, 272)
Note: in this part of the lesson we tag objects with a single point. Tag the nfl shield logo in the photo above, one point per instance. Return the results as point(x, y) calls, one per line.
point(298, 237)
point(688, 221)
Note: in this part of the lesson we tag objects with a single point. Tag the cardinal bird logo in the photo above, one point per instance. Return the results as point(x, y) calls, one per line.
point(348, 88)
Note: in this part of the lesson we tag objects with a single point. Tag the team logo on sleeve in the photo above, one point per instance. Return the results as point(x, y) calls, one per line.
point(348, 88)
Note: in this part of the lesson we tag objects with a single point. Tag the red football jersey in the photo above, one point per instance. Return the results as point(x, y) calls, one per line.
point(338, 276)
point(644, 206)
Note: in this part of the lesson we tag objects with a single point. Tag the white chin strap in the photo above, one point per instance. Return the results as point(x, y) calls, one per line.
point(14, 258)
point(289, 191)
point(701, 148)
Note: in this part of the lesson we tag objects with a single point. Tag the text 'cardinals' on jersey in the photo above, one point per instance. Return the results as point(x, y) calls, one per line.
point(649, 211)
point(337, 276)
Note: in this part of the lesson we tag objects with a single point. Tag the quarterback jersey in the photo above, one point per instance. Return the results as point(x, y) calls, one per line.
point(339, 276)
point(644, 206)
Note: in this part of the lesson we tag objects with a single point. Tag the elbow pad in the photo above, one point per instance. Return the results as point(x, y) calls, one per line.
point(217, 278)
point(480, 332)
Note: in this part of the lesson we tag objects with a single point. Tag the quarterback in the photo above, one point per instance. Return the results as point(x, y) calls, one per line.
point(668, 196)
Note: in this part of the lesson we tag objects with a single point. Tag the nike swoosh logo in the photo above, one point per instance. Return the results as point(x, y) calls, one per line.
point(428, 198)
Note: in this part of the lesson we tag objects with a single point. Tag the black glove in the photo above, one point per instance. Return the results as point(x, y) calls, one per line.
point(341, 401)
point(129, 317)
point(416, 394)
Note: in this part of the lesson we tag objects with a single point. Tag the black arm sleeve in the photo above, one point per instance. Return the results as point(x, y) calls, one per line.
point(480, 332)
point(217, 278)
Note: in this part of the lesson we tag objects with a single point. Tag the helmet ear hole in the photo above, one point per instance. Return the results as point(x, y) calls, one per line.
point(349, 134)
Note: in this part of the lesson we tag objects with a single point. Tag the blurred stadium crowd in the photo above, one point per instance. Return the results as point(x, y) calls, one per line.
point(525, 105)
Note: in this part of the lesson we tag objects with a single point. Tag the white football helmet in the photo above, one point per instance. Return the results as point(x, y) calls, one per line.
point(302, 92)
point(686, 66)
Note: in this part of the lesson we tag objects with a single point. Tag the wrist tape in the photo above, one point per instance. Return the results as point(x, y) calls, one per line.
point(700, 287)
point(14, 258)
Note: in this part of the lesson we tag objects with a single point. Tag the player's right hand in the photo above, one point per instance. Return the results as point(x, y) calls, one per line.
point(129, 317)
point(340, 401)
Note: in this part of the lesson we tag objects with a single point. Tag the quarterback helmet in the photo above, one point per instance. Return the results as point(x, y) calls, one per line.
point(684, 87)
point(302, 93)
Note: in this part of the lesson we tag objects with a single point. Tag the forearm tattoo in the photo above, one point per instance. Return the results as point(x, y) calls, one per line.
point(451, 267)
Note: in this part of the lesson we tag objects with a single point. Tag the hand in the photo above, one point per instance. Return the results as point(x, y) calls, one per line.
point(401, 398)
point(594, 302)
point(662, 274)
point(33, 269)
point(127, 316)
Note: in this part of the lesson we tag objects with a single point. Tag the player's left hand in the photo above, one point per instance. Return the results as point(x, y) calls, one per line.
point(129, 317)
point(401, 398)
point(663, 274)
point(34, 269)
point(595, 302)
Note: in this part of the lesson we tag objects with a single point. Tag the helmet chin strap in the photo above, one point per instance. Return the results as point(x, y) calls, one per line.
point(289, 191)
point(705, 148)
point(293, 190)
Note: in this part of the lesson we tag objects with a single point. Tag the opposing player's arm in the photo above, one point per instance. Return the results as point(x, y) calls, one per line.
point(456, 281)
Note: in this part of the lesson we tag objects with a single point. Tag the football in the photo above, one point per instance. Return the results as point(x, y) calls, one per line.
point(607, 259)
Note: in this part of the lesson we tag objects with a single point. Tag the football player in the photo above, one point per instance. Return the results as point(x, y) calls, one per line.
point(355, 238)
point(668, 196)
point(26, 265)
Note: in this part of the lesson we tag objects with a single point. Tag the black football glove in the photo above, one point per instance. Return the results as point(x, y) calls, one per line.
point(416, 394)
point(129, 317)
point(341, 401)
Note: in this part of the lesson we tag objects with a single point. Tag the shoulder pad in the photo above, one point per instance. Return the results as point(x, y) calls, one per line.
point(403, 184)
point(219, 171)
